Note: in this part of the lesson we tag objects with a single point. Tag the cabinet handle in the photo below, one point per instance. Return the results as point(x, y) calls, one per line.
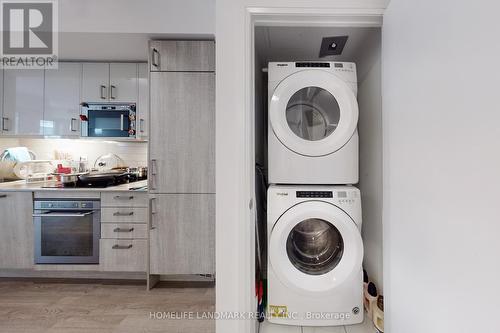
point(123, 230)
point(103, 92)
point(151, 213)
point(153, 174)
point(72, 127)
point(3, 196)
point(155, 57)
point(141, 125)
point(4, 124)
point(121, 247)
point(123, 197)
point(123, 214)
point(111, 95)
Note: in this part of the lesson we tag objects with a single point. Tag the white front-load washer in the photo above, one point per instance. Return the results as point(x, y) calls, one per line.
point(315, 253)
point(312, 123)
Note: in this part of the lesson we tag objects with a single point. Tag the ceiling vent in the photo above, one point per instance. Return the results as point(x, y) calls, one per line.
point(332, 46)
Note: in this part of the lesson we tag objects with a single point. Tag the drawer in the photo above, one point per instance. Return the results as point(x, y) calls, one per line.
point(124, 230)
point(124, 215)
point(124, 199)
point(123, 255)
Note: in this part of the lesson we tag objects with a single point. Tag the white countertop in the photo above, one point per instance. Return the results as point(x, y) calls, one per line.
point(22, 186)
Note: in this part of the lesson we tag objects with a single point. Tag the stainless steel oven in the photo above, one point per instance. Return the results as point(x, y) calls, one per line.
point(67, 231)
point(113, 120)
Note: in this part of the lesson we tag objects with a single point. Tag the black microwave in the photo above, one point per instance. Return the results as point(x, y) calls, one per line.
point(108, 120)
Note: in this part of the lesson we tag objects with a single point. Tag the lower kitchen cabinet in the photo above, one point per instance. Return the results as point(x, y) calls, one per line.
point(16, 230)
point(182, 234)
point(123, 255)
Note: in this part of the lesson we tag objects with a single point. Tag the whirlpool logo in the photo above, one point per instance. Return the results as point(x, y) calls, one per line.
point(282, 194)
point(29, 34)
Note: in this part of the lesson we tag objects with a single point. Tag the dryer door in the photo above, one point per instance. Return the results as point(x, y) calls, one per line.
point(315, 247)
point(313, 113)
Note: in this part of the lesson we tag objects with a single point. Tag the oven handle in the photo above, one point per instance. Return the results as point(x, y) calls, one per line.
point(63, 215)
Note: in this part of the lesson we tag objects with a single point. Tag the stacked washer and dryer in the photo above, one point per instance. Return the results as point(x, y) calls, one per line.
point(315, 250)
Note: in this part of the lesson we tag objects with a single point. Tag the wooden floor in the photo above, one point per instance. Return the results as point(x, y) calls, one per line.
point(50, 307)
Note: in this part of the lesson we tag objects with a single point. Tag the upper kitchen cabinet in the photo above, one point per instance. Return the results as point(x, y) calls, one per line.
point(95, 82)
point(23, 102)
point(185, 56)
point(143, 101)
point(104, 82)
point(122, 82)
point(62, 98)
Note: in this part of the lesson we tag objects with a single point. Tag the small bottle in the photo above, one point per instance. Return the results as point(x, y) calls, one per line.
point(370, 299)
point(378, 314)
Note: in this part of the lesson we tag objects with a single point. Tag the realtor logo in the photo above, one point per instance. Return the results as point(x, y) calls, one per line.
point(29, 34)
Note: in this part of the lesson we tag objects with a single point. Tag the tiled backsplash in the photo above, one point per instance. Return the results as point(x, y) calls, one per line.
point(133, 153)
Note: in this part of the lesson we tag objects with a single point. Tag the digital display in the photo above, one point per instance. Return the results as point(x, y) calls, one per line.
point(314, 194)
point(339, 65)
point(342, 194)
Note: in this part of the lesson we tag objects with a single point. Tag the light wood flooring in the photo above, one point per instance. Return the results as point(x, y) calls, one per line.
point(57, 307)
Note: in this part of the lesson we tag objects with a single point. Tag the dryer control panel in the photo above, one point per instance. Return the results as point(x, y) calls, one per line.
point(314, 194)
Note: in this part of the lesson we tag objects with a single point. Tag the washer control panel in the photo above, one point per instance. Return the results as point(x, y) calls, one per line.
point(314, 194)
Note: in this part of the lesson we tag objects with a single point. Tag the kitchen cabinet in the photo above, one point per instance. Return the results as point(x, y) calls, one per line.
point(182, 132)
point(124, 232)
point(105, 82)
point(182, 234)
point(16, 236)
point(23, 102)
point(186, 56)
point(95, 82)
point(143, 101)
point(62, 100)
point(123, 82)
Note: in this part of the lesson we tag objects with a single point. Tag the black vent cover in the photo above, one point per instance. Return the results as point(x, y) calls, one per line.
point(332, 45)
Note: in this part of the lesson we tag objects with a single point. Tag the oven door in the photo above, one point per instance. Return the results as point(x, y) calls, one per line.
point(67, 237)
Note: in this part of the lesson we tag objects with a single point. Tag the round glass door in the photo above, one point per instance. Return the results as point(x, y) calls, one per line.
point(314, 246)
point(312, 113)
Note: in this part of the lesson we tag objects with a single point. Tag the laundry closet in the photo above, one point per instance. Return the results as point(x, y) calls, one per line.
point(358, 63)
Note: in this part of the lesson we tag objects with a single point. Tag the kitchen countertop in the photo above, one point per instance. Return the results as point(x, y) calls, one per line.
point(22, 186)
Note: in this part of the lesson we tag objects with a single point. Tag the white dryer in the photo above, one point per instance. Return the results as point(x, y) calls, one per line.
point(315, 253)
point(312, 123)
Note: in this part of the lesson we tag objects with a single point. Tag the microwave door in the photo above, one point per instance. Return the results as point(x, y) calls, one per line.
point(108, 124)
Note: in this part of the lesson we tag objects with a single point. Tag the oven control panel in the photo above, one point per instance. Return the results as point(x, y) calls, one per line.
point(61, 205)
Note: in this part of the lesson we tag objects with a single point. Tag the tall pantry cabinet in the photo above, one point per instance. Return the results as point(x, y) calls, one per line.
point(182, 157)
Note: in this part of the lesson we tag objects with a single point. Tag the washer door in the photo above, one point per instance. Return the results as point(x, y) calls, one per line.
point(313, 113)
point(315, 247)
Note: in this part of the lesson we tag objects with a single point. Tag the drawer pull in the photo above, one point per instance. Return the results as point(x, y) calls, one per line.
point(121, 247)
point(123, 230)
point(3, 196)
point(123, 197)
point(123, 214)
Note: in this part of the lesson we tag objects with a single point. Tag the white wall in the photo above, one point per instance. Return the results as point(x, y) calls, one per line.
point(184, 17)
point(370, 163)
point(234, 153)
point(441, 166)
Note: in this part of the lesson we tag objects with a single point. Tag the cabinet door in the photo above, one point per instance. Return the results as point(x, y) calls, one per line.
point(182, 234)
point(62, 100)
point(171, 55)
point(16, 237)
point(182, 132)
point(23, 102)
point(123, 82)
point(143, 102)
point(95, 82)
